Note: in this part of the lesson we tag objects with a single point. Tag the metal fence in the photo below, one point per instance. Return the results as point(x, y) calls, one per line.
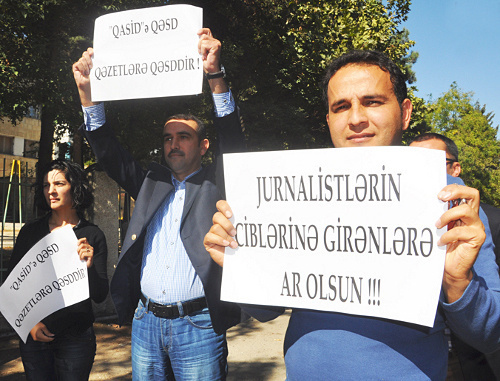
point(16, 194)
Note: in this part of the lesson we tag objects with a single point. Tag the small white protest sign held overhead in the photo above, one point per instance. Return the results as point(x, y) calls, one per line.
point(49, 277)
point(347, 230)
point(147, 53)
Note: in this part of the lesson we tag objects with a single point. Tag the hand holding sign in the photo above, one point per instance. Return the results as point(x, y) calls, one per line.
point(81, 73)
point(463, 241)
point(221, 234)
point(85, 251)
point(40, 332)
point(209, 49)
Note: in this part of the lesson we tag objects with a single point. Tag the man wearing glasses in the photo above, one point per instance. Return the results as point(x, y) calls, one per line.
point(474, 364)
point(441, 142)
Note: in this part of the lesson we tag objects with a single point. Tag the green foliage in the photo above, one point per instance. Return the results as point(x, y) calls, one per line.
point(275, 52)
point(39, 41)
point(455, 114)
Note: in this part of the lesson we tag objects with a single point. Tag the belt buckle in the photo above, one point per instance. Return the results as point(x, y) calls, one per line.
point(165, 312)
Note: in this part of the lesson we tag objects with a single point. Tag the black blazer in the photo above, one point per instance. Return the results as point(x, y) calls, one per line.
point(149, 189)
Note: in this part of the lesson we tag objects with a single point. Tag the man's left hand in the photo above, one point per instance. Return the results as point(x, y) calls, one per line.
point(463, 239)
point(210, 49)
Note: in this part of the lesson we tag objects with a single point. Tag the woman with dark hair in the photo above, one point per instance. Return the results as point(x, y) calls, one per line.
point(62, 346)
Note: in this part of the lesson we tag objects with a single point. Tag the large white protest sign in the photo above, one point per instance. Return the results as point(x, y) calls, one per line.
point(349, 230)
point(147, 53)
point(49, 277)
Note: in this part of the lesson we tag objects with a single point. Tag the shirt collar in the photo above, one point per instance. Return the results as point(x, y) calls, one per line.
point(177, 183)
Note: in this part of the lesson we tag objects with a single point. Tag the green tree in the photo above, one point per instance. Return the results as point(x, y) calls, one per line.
point(275, 52)
point(457, 115)
point(277, 57)
point(39, 41)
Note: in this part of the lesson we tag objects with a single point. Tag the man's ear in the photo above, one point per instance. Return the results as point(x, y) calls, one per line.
point(456, 169)
point(204, 144)
point(406, 110)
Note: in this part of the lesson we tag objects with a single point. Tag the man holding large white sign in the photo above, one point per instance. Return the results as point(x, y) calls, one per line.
point(368, 106)
point(163, 272)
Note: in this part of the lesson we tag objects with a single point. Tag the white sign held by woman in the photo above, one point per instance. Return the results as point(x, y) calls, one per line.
point(49, 277)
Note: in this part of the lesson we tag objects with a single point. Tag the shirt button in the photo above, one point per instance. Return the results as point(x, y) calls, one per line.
point(171, 243)
point(134, 237)
point(180, 198)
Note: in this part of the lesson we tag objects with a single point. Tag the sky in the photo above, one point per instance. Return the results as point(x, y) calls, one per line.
point(457, 40)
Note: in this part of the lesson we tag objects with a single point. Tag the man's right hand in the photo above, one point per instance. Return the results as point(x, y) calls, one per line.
point(81, 73)
point(221, 233)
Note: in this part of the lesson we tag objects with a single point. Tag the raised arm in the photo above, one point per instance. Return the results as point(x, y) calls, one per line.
point(81, 73)
point(210, 50)
point(116, 161)
point(230, 137)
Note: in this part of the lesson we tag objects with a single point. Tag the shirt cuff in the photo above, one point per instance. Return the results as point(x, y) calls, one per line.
point(94, 116)
point(224, 104)
point(467, 297)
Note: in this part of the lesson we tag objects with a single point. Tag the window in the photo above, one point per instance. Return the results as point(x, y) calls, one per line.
point(30, 148)
point(7, 145)
point(33, 112)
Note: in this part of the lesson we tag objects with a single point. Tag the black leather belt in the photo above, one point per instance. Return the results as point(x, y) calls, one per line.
point(171, 311)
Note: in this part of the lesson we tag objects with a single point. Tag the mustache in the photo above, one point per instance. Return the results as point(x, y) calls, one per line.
point(175, 152)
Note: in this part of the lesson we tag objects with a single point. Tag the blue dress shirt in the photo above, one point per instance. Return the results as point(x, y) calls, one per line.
point(167, 274)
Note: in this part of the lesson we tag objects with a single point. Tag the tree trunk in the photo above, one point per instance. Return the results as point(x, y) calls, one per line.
point(78, 148)
point(46, 137)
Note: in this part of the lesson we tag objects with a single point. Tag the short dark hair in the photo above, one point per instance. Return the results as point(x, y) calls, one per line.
point(451, 147)
point(201, 130)
point(367, 57)
point(81, 192)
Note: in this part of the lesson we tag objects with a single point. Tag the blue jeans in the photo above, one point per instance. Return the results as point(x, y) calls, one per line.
point(67, 358)
point(186, 348)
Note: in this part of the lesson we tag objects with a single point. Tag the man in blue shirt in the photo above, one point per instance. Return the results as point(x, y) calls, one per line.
point(163, 272)
point(368, 105)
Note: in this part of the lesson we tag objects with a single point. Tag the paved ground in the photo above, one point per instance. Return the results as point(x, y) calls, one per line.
point(255, 353)
point(255, 349)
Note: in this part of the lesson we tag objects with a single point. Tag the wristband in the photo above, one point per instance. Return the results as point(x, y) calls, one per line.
point(218, 74)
